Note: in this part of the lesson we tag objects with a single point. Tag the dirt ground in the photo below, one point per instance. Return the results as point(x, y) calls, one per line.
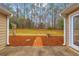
point(30, 40)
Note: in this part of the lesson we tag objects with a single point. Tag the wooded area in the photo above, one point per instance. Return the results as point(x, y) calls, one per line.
point(37, 15)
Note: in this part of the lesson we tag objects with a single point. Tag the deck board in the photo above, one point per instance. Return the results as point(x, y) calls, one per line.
point(37, 51)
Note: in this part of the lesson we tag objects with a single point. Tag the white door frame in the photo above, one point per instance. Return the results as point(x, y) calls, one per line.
point(71, 39)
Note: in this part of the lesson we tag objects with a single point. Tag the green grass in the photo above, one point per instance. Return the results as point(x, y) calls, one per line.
point(38, 31)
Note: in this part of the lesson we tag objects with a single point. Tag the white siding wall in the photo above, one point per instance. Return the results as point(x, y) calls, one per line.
point(3, 31)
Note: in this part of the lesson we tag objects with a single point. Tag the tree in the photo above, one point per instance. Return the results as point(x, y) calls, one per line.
point(61, 24)
point(41, 25)
point(17, 10)
point(27, 15)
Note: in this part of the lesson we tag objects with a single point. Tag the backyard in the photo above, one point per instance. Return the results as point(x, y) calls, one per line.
point(37, 25)
point(34, 37)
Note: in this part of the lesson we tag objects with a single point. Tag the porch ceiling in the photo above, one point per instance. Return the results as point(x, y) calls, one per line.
point(70, 9)
point(5, 11)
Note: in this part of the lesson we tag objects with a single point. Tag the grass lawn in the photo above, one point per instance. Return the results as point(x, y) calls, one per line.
point(38, 32)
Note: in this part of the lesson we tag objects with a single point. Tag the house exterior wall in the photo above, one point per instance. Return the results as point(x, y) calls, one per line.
point(3, 31)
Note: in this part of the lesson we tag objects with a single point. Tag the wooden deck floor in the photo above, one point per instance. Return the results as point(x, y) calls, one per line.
point(37, 51)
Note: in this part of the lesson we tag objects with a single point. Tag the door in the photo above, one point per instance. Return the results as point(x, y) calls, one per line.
point(74, 32)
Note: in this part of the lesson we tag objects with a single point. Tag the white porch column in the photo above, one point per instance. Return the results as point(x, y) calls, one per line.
point(64, 17)
point(7, 30)
point(64, 31)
